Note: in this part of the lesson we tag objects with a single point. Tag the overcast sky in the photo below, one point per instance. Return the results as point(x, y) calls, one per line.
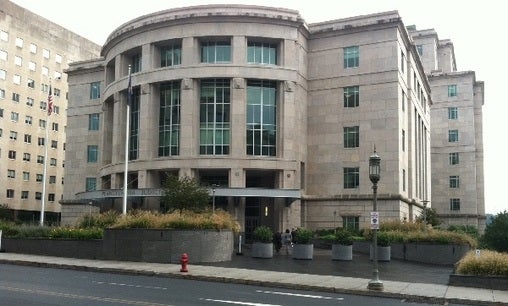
point(477, 30)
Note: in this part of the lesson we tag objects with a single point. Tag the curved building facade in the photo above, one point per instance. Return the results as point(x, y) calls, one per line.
point(258, 105)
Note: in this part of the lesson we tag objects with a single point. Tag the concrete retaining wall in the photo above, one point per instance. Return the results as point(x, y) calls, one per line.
point(440, 254)
point(487, 282)
point(143, 245)
point(167, 246)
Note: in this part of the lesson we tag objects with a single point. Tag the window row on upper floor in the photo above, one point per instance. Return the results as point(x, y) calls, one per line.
point(34, 49)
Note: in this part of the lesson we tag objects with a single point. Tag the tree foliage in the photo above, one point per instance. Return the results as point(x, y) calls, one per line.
point(496, 233)
point(430, 215)
point(184, 194)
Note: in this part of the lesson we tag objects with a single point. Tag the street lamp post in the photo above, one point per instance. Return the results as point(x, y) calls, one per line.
point(374, 176)
point(213, 197)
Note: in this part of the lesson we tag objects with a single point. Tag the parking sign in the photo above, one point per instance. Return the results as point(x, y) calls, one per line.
point(374, 220)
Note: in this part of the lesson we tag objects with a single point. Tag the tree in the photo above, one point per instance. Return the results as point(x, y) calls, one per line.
point(184, 193)
point(496, 233)
point(430, 215)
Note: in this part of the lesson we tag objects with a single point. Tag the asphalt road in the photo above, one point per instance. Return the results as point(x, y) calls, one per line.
point(24, 285)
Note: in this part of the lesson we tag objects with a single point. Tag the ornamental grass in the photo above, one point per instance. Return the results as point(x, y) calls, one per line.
point(483, 263)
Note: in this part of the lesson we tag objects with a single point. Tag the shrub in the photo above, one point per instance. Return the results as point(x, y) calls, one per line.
point(303, 236)
point(344, 237)
point(262, 234)
point(488, 263)
point(103, 220)
point(496, 233)
point(75, 233)
point(184, 194)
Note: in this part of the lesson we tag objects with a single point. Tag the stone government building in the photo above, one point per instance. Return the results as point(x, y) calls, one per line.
point(280, 115)
point(34, 53)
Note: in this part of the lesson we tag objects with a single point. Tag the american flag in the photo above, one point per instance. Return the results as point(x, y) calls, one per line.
point(50, 101)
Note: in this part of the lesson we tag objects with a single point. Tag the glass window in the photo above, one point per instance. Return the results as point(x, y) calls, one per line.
point(452, 90)
point(26, 156)
point(16, 79)
point(3, 55)
point(30, 83)
point(28, 138)
point(40, 158)
point(261, 118)
point(14, 116)
point(215, 51)
point(2, 93)
point(171, 55)
point(454, 181)
point(351, 177)
point(4, 36)
point(351, 223)
point(29, 101)
point(169, 119)
point(54, 126)
point(351, 137)
point(12, 154)
point(136, 63)
point(214, 117)
point(452, 113)
point(352, 96)
point(403, 140)
point(15, 97)
point(45, 70)
point(58, 58)
point(41, 141)
point(38, 195)
point(52, 162)
point(453, 158)
point(454, 204)
point(45, 53)
point(91, 184)
point(93, 122)
point(19, 42)
point(134, 126)
point(54, 144)
point(3, 74)
point(10, 193)
point(419, 49)
point(95, 90)
point(351, 57)
point(26, 176)
point(42, 124)
point(18, 60)
point(261, 53)
point(33, 48)
point(13, 135)
point(51, 197)
point(11, 173)
point(92, 153)
point(24, 194)
point(402, 61)
point(453, 135)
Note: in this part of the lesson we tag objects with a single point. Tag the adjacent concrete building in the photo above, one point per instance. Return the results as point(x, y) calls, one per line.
point(279, 115)
point(457, 134)
point(34, 52)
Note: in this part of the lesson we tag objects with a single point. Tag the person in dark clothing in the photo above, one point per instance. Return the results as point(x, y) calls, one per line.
point(277, 241)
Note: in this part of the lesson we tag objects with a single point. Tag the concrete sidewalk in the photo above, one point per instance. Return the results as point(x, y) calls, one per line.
point(423, 292)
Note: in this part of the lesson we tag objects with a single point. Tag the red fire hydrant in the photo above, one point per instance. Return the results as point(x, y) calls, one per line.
point(184, 260)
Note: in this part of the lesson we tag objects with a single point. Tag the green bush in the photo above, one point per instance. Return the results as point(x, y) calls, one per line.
point(303, 236)
point(262, 234)
point(103, 220)
point(488, 263)
point(496, 233)
point(344, 237)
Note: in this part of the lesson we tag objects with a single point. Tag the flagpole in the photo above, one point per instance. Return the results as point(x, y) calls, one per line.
point(44, 174)
point(127, 123)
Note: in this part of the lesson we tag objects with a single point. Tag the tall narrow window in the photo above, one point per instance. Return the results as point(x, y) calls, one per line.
point(454, 204)
point(92, 153)
point(95, 90)
point(134, 128)
point(136, 63)
point(351, 177)
point(453, 158)
point(93, 122)
point(215, 51)
point(453, 135)
point(261, 53)
point(261, 118)
point(453, 113)
point(214, 127)
point(169, 119)
point(454, 181)
point(351, 96)
point(91, 184)
point(452, 90)
point(171, 55)
point(351, 57)
point(403, 140)
point(351, 137)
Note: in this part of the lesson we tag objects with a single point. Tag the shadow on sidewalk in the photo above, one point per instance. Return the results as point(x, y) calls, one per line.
point(359, 267)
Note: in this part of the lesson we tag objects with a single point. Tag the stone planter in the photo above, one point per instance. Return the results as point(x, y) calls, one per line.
point(303, 251)
point(262, 250)
point(383, 253)
point(342, 252)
